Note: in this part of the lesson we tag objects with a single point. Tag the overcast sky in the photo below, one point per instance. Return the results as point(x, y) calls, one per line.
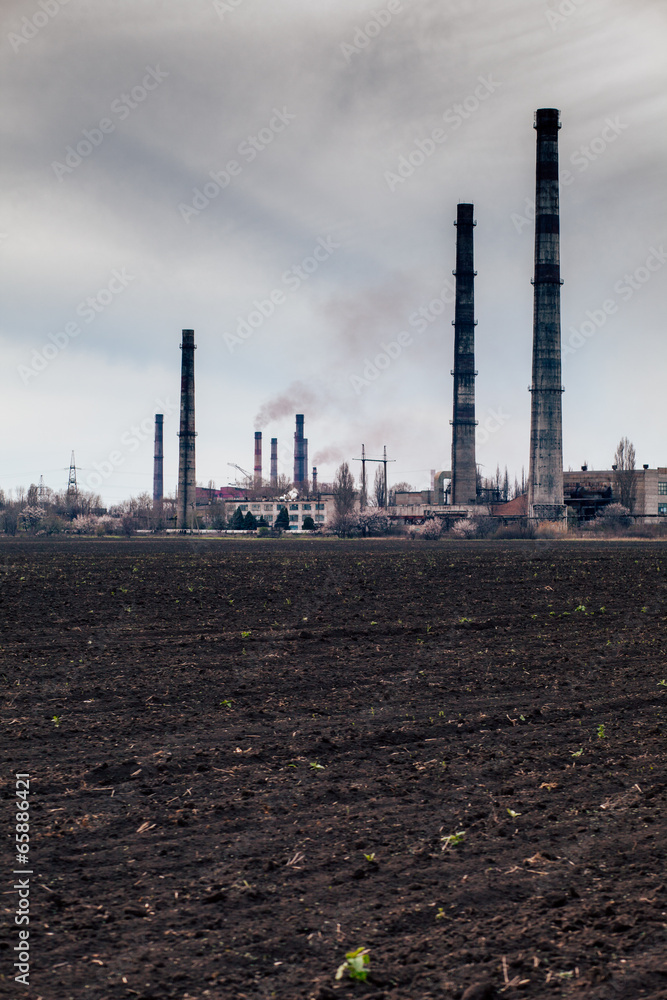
point(342, 134)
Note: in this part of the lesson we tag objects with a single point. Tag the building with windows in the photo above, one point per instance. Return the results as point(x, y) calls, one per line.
point(320, 509)
point(589, 491)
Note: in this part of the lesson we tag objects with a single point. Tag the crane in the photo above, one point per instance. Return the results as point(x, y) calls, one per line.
point(247, 475)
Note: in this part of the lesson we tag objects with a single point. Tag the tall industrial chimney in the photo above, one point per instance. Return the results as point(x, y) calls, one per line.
point(314, 479)
point(299, 457)
point(274, 462)
point(158, 464)
point(187, 486)
point(258, 460)
point(545, 478)
point(464, 470)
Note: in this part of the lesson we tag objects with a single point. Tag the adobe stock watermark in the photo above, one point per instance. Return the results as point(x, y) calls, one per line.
point(564, 9)
point(249, 149)
point(33, 24)
point(625, 288)
point(364, 34)
point(224, 7)
point(580, 158)
point(87, 310)
point(420, 320)
point(292, 280)
point(454, 117)
point(131, 440)
point(490, 424)
point(122, 107)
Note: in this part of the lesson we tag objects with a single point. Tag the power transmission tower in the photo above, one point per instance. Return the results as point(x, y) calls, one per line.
point(72, 487)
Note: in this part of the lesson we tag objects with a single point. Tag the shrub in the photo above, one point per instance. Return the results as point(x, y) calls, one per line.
point(614, 516)
point(430, 530)
point(521, 529)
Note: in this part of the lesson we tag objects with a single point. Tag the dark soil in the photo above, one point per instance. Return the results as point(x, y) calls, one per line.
point(184, 843)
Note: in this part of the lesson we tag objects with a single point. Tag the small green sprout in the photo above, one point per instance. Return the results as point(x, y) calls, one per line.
point(581, 607)
point(600, 732)
point(244, 635)
point(56, 720)
point(226, 703)
point(440, 915)
point(512, 813)
point(461, 620)
point(373, 623)
point(355, 964)
point(317, 767)
point(522, 718)
point(453, 839)
point(577, 753)
point(370, 857)
point(662, 683)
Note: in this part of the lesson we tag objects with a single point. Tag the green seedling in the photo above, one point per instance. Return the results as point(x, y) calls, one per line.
point(370, 857)
point(577, 753)
point(226, 703)
point(512, 813)
point(600, 732)
point(355, 964)
point(56, 720)
point(522, 718)
point(461, 620)
point(317, 767)
point(440, 915)
point(373, 623)
point(581, 607)
point(244, 635)
point(453, 839)
point(662, 683)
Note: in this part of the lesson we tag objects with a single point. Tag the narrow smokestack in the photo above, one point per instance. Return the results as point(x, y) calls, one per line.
point(158, 463)
point(464, 479)
point(274, 462)
point(304, 463)
point(545, 478)
point(185, 512)
point(314, 479)
point(258, 460)
point(299, 468)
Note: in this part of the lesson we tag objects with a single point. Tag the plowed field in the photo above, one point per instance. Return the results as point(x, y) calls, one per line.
point(249, 758)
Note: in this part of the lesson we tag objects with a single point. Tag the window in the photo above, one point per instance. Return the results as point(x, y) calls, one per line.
point(305, 506)
point(294, 517)
point(319, 517)
point(294, 506)
point(268, 506)
point(662, 489)
point(243, 506)
point(662, 508)
point(256, 506)
point(268, 517)
point(319, 506)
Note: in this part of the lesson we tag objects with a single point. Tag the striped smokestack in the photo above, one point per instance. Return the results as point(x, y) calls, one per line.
point(274, 462)
point(258, 460)
point(185, 510)
point(545, 478)
point(464, 470)
point(158, 464)
point(299, 463)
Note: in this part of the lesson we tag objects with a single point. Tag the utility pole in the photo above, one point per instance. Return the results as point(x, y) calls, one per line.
point(384, 461)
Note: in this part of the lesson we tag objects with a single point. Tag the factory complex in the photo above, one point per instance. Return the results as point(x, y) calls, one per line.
point(551, 496)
